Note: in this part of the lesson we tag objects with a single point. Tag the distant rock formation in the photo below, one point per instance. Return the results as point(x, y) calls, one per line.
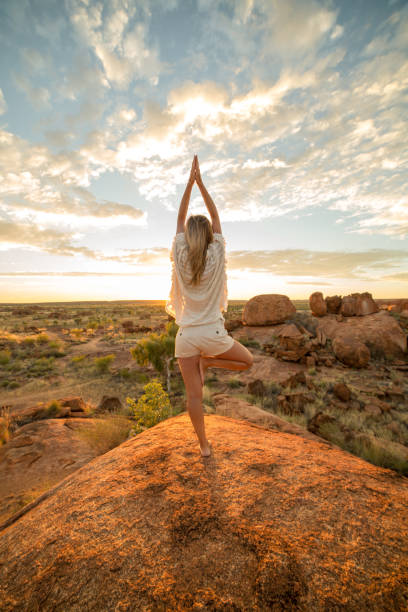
point(266, 523)
point(268, 309)
point(380, 332)
point(355, 304)
point(317, 304)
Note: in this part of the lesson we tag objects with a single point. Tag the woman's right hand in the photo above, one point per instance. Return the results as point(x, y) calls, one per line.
point(197, 172)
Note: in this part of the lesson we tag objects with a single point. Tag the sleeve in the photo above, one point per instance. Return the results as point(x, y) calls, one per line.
point(219, 238)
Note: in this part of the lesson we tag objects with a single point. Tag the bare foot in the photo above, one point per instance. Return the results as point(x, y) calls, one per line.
point(206, 451)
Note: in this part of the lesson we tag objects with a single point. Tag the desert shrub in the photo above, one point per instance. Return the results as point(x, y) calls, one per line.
point(5, 357)
point(42, 339)
point(13, 384)
point(102, 364)
point(78, 359)
point(106, 433)
point(306, 320)
point(151, 408)
point(28, 342)
point(125, 373)
point(54, 349)
point(273, 389)
point(249, 342)
point(234, 383)
point(52, 409)
point(312, 371)
point(41, 366)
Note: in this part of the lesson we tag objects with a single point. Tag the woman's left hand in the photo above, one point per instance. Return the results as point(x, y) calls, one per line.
point(192, 172)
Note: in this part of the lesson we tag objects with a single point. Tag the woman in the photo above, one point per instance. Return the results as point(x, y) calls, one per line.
point(197, 298)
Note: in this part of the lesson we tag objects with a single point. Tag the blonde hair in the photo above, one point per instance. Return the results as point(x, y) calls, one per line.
point(199, 234)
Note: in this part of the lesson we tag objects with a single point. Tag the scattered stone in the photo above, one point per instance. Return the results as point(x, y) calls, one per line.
point(395, 394)
point(256, 387)
point(109, 404)
point(310, 361)
point(342, 391)
point(293, 344)
point(317, 304)
point(75, 403)
point(373, 410)
point(299, 378)
point(268, 309)
point(318, 420)
point(351, 351)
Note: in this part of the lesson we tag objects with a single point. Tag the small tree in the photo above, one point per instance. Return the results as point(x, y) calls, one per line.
point(151, 408)
point(158, 350)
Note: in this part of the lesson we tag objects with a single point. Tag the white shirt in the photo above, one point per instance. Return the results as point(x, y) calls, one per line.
point(204, 302)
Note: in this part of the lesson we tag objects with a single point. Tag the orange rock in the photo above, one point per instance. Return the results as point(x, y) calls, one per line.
point(268, 309)
point(265, 523)
point(351, 351)
point(358, 304)
point(317, 304)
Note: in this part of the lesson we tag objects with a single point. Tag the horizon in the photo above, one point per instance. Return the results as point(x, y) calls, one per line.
point(296, 111)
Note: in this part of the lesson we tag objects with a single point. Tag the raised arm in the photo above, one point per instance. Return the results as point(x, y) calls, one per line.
point(185, 200)
point(212, 209)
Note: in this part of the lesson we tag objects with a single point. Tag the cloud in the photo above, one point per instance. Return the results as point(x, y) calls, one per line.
point(38, 96)
point(39, 187)
point(3, 105)
point(117, 40)
point(332, 264)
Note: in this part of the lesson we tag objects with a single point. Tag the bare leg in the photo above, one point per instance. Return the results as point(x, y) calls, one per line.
point(236, 358)
point(191, 376)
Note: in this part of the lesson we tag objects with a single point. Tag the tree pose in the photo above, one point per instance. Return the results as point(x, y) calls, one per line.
point(198, 297)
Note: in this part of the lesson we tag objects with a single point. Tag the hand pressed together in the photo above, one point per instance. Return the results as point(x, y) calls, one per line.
point(195, 174)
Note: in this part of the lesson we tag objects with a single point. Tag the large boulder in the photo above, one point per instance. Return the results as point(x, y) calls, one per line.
point(317, 304)
point(268, 309)
point(333, 303)
point(266, 523)
point(351, 351)
point(380, 332)
point(358, 304)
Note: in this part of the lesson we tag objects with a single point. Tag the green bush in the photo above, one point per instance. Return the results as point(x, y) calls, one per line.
point(234, 383)
point(5, 357)
point(151, 408)
point(41, 366)
point(249, 342)
point(103, 363)
point(42, 339)
point(53, 408)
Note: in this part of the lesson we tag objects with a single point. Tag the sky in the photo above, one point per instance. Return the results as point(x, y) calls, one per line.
point(297, 110)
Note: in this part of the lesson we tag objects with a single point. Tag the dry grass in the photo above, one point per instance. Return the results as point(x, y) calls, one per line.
point(106, 433)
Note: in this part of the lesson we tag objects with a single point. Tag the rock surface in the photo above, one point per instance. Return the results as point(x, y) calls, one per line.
point(379, 331)
point(268, 309)
point(351, 351)
point(333, 303)
point(358, 304)
point(40, 453)
point(271, 521)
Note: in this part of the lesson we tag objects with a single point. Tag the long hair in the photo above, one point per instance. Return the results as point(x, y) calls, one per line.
point(199, 234)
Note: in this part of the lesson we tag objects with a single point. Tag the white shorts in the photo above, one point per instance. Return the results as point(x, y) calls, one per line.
point(210, 338)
